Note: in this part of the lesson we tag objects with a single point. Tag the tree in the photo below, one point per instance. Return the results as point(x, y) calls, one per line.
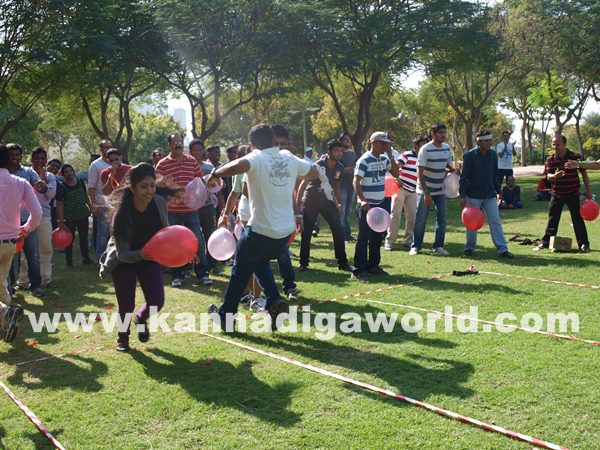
point(150, 131)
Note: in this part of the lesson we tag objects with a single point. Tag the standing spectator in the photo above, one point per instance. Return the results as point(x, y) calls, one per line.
point(308, 154)
point(505, 151)
point(406, 198)
point(511, 195)
point(54, 168)
point(73, 210)
point(433, 160)
point(272, 177)
point(232, 153)
point(369, 177)
point(479, 187)
point(181, 169)
point(322, 196)
point(157, 154)
point(565, 191)
point(112, 177)
point(16, 194)
point(39, 159)
point(98, 200)
point(346, 188)
point(214, 157)
point(30, 248)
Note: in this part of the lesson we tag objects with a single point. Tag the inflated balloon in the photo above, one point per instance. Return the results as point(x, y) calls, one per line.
point(221, 244)
point(61, 238)
point(589, 210)
point(238, 230)
point(215, 186)
point(195, 194)
point(391, 186)
point(472, 217)
point(451, 185)
point(20, 245)
point(172, 246)
point(292, 237)
point(378, 219)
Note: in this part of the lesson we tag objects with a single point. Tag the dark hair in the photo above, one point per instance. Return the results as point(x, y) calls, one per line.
point(94, 157)
point(261, 136)
point(156, 150)
point(37, 151)
point(231, 149)
point(55, 161)
point(105, 141)
point(420, 139)
point(244, 150)
point(14, 146)
point(343, 135)
point(333, 143)
point(280, 131)
point(437, 127)
point(65, 166)
point(212, 148)
point(113, 151)
point(172, 135)
point(121, 200)
point(196, 142)
point(561, 136)
point(505, 132)
point(4, 156)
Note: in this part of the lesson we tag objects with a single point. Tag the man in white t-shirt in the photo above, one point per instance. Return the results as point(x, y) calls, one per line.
point(98, 200)
point(272, 175)
point(506, 151)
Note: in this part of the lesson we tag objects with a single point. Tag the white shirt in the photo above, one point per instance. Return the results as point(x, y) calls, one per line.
point(308, 159)
point(271, 182)
point(505, 162)
point(94, 180)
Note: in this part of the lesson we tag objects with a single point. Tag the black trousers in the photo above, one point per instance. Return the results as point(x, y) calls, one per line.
point(81, 226)
point(555, 208)
point(208, 224)
point(327, 209)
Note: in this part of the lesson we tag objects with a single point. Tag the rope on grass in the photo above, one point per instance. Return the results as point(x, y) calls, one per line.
point(543, 280)
point(31, 416)
point(369, 387)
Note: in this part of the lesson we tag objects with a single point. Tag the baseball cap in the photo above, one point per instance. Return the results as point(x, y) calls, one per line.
point(380, 136)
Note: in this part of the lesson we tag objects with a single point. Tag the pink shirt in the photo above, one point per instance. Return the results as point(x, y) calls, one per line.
point(17, 192)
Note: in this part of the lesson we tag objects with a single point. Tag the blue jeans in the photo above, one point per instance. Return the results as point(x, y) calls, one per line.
point(31, 252)
point(253, 255)
point(440, 202)
point(191, 221)
point(102, 232)
point(490, 208)
point(367, 251)
point(286, 270)
point(347, 199)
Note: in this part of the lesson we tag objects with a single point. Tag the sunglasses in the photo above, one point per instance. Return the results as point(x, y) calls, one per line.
point(114, 160)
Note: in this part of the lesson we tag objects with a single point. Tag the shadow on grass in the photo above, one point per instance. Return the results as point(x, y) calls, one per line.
point(40, 441)
point(220, 382)
point(409, 374)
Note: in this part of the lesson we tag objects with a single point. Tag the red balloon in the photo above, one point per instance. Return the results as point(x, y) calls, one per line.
point(172, 246)
point(20, 245)
point(589, 210)
point(292, 237)
point(391, 186)
point(472, 217)
point(61, 238)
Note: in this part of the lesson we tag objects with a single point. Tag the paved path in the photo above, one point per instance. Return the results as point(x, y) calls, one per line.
point(528, 171)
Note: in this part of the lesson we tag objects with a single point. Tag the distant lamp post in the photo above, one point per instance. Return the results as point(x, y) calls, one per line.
point(304, 111)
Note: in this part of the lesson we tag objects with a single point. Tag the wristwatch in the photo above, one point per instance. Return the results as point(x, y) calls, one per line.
point(213, 173)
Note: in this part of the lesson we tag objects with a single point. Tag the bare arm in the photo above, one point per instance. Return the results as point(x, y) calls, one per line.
point(359, 193)
point(586, 182)
point(231, 201)
point(300, 194)
point(422, 182)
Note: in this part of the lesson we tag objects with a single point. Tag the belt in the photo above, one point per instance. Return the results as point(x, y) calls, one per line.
point(8, 241)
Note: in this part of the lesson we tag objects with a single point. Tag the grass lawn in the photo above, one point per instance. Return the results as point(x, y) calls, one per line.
point(185, 390)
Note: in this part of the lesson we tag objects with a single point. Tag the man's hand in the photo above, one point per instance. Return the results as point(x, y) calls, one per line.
point(559, 174)
point(365, 205)
point(589, 195)
point(428, 200)
point(338, 207)
point(223, 221)
point(22, 234)
point(572, 164)
point(40, 186)
point(299, 224)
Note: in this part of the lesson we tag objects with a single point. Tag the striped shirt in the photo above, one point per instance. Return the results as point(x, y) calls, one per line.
point(372, 170)
point(567, 186)
point(408, 173)
point(434, 160)
point(181, 173)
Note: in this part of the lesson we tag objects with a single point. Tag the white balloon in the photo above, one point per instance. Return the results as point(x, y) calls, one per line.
point(451, 185)
point(221, 244)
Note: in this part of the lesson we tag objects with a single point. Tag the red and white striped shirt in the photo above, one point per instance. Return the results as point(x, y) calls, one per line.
point(408, 173)
point(181, 173)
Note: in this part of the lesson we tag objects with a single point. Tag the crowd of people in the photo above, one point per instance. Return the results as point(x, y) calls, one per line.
point(270, 191)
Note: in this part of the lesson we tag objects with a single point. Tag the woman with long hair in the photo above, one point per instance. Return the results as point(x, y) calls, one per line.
point(138, 211)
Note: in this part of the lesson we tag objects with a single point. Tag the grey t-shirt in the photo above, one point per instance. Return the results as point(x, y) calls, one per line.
point(349, 159)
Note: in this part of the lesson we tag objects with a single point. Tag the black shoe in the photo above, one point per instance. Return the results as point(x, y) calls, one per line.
point(38, 292)
point(315, 233)
point(350, 239)
point(122, 346)
point(506, 254)
point(377, 271)
point(468, 252)
point(360, 276)
point(277, 308)
point(345, 267)
point(143, 336)
point(584, 249)
point(302, 268)
point(86, 262)
point(13, 316)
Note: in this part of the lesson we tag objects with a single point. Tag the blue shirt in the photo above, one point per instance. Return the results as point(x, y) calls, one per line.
point(479, 175)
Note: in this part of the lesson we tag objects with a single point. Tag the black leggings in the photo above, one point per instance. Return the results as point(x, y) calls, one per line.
point(81, 226)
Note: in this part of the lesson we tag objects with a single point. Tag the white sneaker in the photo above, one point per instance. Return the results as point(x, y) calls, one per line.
point(413, 251)
point(258, 304)
point(388, 246)
point(440, 251)
point(177, 283)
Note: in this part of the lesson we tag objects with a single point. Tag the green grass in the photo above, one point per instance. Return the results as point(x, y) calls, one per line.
point(190, 391)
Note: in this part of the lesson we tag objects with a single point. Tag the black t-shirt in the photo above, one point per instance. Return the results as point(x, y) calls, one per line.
point(322, 187)
point(145, 225)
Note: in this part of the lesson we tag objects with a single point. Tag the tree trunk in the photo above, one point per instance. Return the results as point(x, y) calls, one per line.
point(579, 138)
point(523, 142)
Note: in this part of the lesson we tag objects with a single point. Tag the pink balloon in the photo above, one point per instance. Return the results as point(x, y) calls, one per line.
point(195, 194)
point(221, 244)
point(378, 219)
point(216, 187)
point(238, 230)
point(172, 246)
point(451, 185)
point(472, 217)
point(61, 238)
point(589, 210)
